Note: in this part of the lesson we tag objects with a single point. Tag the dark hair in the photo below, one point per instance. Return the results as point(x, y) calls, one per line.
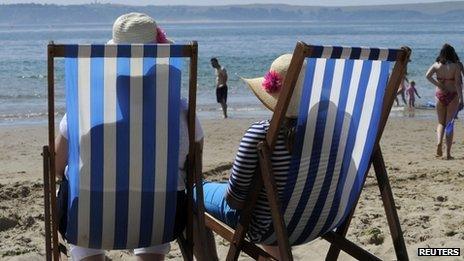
point(412, 82)
point(447, 54)
point(214, 59)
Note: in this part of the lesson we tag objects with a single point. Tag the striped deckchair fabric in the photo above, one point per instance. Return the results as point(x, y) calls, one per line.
point(337, 127)
point(122, 104)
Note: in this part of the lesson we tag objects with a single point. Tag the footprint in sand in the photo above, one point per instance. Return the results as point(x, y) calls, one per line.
point(7, 223)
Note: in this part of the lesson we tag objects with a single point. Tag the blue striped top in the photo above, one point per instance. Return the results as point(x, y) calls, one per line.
point(244, 167)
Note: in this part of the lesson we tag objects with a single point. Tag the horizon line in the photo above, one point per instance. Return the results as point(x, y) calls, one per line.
point(225, 5)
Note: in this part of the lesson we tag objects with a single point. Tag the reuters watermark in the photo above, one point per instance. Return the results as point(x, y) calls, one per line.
point(432, 251)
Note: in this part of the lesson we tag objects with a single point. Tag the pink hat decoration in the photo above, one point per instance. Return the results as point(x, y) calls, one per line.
point(272, 82)
point(161, 35)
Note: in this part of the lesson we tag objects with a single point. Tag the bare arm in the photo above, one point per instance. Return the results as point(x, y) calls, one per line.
point(226, 77)
point(461, 67)
point(429, 75)
point(61, 158)
point(458, 82)
point(415, 90)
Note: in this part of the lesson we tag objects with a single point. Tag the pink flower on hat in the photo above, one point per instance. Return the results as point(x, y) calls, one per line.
point(272, 82)
point(161, 36)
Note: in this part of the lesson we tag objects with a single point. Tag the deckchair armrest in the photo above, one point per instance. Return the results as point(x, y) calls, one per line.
point(227, 233)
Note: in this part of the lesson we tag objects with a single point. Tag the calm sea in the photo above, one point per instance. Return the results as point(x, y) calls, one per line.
point(244, 48)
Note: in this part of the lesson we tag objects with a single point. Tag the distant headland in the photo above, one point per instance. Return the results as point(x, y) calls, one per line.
point(18, 14)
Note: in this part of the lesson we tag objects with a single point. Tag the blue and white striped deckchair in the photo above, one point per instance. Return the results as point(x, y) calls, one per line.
point(123, 109)
point(345, 101)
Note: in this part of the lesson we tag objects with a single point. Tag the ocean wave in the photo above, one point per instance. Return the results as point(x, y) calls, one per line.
point(30, 115)
point(22, 96)
point(209, 108)
point(34, 76)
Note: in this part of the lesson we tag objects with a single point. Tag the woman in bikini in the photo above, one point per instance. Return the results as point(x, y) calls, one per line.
point(448, 93)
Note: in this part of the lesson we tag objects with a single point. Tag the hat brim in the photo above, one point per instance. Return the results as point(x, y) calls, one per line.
point(269, 100)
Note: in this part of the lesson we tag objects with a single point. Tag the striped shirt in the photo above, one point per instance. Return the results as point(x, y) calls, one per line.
point(243, 169)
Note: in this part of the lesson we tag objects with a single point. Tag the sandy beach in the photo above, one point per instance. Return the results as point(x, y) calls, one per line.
point(428, 191)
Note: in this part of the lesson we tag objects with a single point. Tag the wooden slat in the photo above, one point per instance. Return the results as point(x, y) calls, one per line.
point(58, 50)
point(299, 54)
point(389, 206)
point(246, 213)
point(228, 234)
point(274, 201)
point(46, 177)
point(349, 247)
point(398, 73)
point(51, 148)
point(201, 244)
point(191, 130)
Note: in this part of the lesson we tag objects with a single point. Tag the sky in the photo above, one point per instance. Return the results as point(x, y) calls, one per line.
point(226, 2)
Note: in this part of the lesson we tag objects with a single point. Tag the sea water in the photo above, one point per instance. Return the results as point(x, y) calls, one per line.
point(243, 48)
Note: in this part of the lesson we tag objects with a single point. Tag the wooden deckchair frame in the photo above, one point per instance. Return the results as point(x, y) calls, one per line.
point(52, 245)
point(265, 177)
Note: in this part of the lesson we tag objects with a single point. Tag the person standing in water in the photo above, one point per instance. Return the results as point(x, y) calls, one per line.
point(401, 91)
point(412, 92)
point(221, 85)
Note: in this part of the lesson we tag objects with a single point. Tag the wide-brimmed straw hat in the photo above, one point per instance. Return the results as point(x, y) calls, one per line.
point(269, 87)
point(137, 28)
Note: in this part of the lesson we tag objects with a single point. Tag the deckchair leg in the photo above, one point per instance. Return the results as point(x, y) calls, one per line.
point(389, 205)
point(342, 230)
point(390, 210)
point(245, 218)
point(188, 242)
point(46, 177)
point(349, 247)
point(182, 242)
point(204, 245)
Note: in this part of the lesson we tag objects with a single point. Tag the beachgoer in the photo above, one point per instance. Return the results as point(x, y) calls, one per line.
point(461, 67)
point(448, 93)
point(127, 29)
point(221, 85)
point(412, 92)
point(401, 91)
point(224, 200)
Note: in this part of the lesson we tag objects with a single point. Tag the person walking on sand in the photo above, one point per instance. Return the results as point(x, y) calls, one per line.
point(411, 91)
point(448, 93)
point(221, 85)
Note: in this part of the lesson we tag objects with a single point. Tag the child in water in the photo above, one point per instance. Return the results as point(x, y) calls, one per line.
point(411, 92)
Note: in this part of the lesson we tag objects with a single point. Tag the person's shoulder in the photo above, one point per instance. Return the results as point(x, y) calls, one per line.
point(223, 69)
point(436, 65)
point(260, 126)
point(256, 132)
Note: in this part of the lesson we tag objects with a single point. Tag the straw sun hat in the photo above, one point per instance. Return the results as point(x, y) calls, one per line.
point(137, 28)
point(269, 87)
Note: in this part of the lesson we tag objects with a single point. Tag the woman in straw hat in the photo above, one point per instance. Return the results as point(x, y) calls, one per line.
point(224, 200)
point(127, 29)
